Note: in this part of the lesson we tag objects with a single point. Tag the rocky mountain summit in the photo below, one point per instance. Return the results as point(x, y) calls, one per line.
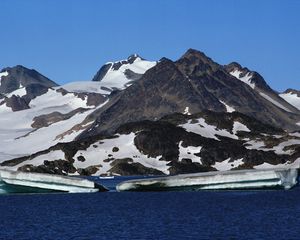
point(147, 117)
point(193, 83)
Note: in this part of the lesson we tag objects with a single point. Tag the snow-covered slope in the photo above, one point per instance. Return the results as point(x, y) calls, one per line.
point(84, 87)
point(119, 75)
point(246, 78)
point(19, 137)
point(113, 76)
point(292, 97)
point(258, 84)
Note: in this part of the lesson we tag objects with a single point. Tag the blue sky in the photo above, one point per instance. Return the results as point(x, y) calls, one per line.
point(69, 40)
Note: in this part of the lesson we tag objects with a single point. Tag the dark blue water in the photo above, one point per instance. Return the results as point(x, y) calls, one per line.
point(152, 215)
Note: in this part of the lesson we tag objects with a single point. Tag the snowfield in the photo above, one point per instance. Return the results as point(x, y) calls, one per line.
point(117, 79)
point(19, 138)
point(84, 87)
point(291, 98)
point(114, 79)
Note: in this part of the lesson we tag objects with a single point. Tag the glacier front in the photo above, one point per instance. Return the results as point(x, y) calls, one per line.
point(284, 178)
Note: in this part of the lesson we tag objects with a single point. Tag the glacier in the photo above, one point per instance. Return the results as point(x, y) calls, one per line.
point(28, 182)
point(284, 178)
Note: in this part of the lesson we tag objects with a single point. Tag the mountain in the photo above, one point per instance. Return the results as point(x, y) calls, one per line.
point(19, 77)
point(113, 76)
point(148, 117)
point(193, 83)
point(39, 113)
point(19, 85)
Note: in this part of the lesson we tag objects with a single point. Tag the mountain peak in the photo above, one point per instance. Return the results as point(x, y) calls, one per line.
point(232, 66)
point(134, 57)
point(196, 54)
point(196, 61)
point(19, 76)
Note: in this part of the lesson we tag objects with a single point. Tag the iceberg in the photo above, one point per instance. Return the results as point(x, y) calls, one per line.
point(21, 182)
point(284, 178)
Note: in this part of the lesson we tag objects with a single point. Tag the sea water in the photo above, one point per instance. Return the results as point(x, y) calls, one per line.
point(152, 215)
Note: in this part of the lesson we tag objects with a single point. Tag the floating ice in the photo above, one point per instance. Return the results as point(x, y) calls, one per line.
point(37, 181)
point(284, 178)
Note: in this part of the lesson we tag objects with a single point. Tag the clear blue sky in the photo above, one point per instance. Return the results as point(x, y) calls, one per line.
point(69, 40)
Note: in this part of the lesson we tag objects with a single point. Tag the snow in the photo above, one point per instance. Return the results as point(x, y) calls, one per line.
point(116, 79)
point(19, 92)
point(84, 87)
point(228, 108)
point(277, 104)
point(97, 152)
point(206, 130)
point(246, 79)
point(39, 160)
point(254, 144)
point(189, 152)
point(278, 149)
point(237, 126)
point(295, 164)
point(292, 99)
point(295, 134)
point(187, 111)
point(3, 74)
point(18, 138)
point(5, 109)
point(238, 179)
point(54, 100)
point(227, 165)
point(43, 138)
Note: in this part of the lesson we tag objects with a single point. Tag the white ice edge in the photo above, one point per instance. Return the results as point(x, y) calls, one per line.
point(238, 179)
point(47, 181)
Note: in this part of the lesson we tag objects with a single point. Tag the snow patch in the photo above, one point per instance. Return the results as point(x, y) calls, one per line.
point(187, 111)
point(3, 74)
point(246, 79)
point(189, 152)
point(19, 92)
point(237, 126)
point(209, 131)
point(227, 165)
point(295, 164)
point(278, 149)
point(228, 108)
